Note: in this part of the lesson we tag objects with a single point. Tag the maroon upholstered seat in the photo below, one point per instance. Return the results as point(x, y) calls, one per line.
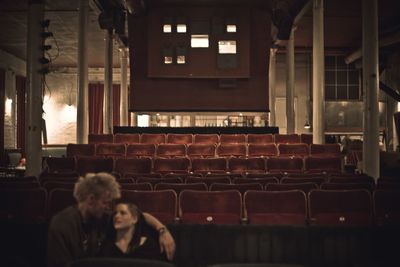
point(340, 207)
point(205, 165)
point(204, 207)
point(60, 165)
point(161, 204)
point(100, 138)
point(295, 180)
point(184, 139)
point(262, 150)
point(125, 166)
point(86, 165)
point(262, 181)
point(231, 150)
point(75, 150)
point(286, 138)
point(208, 180)
point(305, 187)
point(206, 139)
point(137, 187)
point(171, 150)
point(126, 138)
point(285, 164)
point(276, 207)
point(260, 138)
point(328, 164)
point(306, 138)
point(242, 188)
point(300, 150)
point(201, 151)
point(154, 181)
point(179, 187)
point(50, 185)
point(140, 150)
point(232, 138)
point(246, 165)
point(147, 138)
point(110, 150)
point(347, 186)
point(175, 165)
point(325, 150)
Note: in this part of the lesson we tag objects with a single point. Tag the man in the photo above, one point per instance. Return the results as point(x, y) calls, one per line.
point(78, 231)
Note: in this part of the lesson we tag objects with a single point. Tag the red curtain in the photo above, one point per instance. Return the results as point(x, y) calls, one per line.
point(2, 112)
point(21, 99)
point(116, 104)
point(96, 99)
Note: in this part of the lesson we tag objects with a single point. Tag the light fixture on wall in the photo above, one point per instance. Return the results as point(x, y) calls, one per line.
point(307, 125)
point(8, 106)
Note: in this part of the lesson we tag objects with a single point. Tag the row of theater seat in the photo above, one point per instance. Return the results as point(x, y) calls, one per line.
point(159, 138)
point(202, 150)
point(292, 207)
point(124, 166)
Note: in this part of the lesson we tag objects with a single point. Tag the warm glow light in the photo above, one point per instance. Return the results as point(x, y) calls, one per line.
point(69, 113)
point(199, 40)
point(8, 107)
point(143, 120)
point(398, 106)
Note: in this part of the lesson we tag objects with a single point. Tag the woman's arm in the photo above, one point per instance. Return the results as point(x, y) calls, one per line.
point(167, 242)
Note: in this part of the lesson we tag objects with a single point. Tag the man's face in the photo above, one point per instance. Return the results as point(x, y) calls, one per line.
point(101, 205)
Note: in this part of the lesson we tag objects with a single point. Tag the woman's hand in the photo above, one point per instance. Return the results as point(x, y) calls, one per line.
point(167, 243)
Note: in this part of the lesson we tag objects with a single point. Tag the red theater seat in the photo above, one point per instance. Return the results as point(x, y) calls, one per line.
point(306, 138)
point(209, 165)
point(201, 150)
point(147, 138)
point(386, 207)
point(232, 138)
point(262, 181)
point(178, 188)
point(206, 139)
point(137, 187)
point(231, 150)
point(323, 164)
point(276, 207)
point(242, 188)
point(246, 165)
point(171, 150)
point(160, 204)
point(140, 150)
point(286, 138)
point(60, 165)
point(126, 138)
point(285, 164)
point(296, 180)
point(132, 166)
point(325, 150)
point(352, 179)
point(305, 187)
point(86, 165)
point(154, 181)
point(347, 186)
point(340, 207)
point(50, 185)
point(260, 138)
point(208, 180)
point(77, 150)
point(300, 150)
point(219, 207)
point(110, 150)
point(262, 150)
point(100, 138)
point(184, 139)
point(176, 165)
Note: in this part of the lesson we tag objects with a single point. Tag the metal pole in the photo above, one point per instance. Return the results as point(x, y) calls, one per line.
point(108, 82)
point(124, 87)
point(272, 85)
point(290, 116)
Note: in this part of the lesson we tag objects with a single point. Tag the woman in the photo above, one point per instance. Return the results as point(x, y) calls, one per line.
point(131, 237)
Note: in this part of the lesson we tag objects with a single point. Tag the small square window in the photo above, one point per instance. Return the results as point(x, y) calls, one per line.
point(231, 28)
point(167, 28)
point(168, 60)
point(181, 60)
point(181, 28)
point(227, 47)
point(199, 40)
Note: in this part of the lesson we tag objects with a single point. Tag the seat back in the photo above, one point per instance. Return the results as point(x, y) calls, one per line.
point(148, 138)
point(171, 150)
point(136, 187)
point(206, 139)
point(323, 164)
point(306, 138)
point(184, 139)
point(242, 188)
point(86, 165)
point(161, 204)
point(340, 207)
point(262, 181)
point(285, 164)
point(201, 150)
point(179, 187)
point(60, 165)
point(124, 166)
point(155, 181)
point(295, 180)
point(140, 150)
point(300, 150)
point(208, 180)
point(231, 150)
point(260, 138)
point(347, 186)
point(305, 187)
point(232, 138)
point(175, 165)
point(110, 150)
point(276, 207)
point(126, 138)
point(204, 207)
point(286, 138)
point(325, 150)
point(262, 150)
point(209, 165)
point(246, 165)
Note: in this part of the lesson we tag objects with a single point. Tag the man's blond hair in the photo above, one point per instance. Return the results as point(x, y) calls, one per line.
point(96, 184)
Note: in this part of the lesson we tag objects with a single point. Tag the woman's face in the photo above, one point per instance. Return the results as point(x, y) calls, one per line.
point(123, 218)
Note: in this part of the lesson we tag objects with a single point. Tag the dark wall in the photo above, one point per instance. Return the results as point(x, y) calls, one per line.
point(196, 85)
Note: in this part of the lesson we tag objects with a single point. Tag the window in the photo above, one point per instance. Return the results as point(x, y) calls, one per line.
point(227, 47)
point(341, 80)
point(181, 59)
point(168, 60)
point(199, 40)
point(231, 28)
point(167, 28)
point(181, 28)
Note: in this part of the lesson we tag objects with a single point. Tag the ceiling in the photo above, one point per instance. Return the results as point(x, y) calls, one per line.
point(342, 27)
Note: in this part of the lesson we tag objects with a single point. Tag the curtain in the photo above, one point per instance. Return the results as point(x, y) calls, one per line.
point(2, 112)
point(96, 100)
point(116, 104)
point(21, 100)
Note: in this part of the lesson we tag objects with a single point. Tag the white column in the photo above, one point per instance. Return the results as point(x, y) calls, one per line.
point(124, 87)
point(272, 85)
point(318, 121)
point(133, 119)
point(370, 86)
point(108, 82)
point(290, 116)
point(34, 111)
point(82, 120)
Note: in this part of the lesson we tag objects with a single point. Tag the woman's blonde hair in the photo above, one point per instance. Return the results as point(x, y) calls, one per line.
point(96, 184)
